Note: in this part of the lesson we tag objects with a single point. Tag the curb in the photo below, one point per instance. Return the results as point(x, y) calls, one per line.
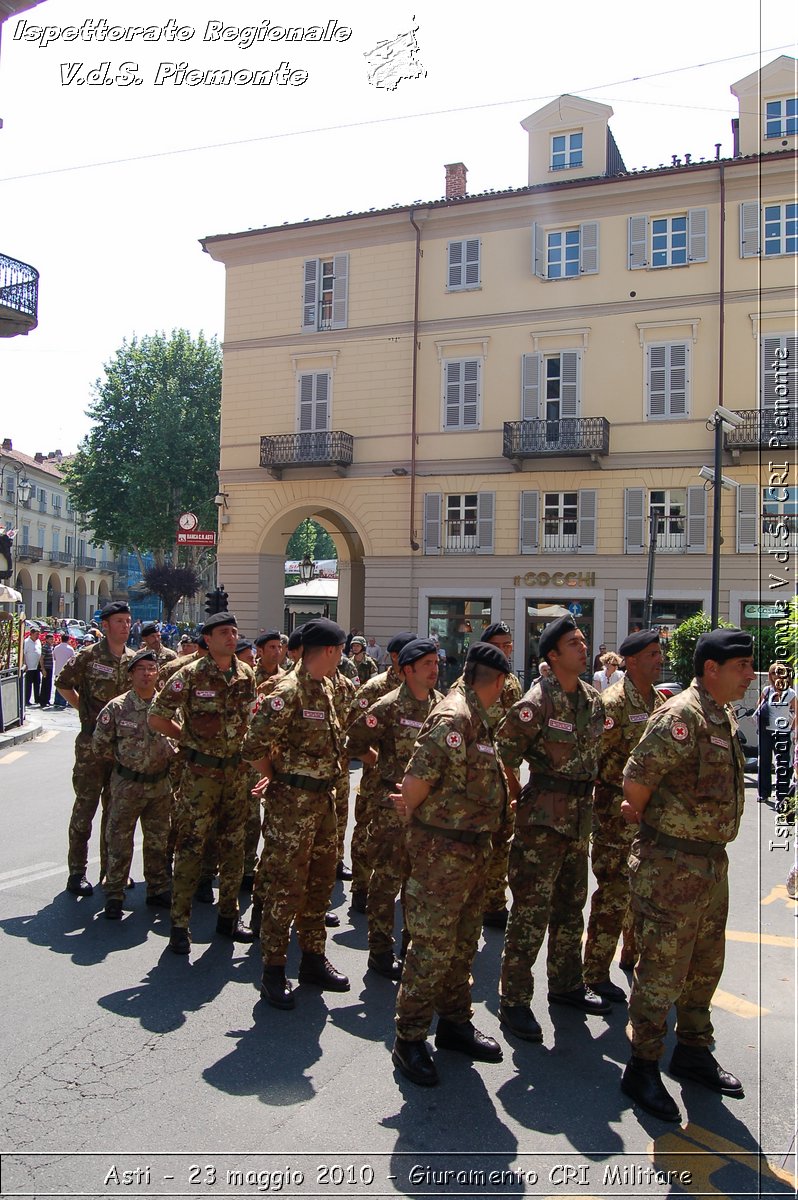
point(26, 733)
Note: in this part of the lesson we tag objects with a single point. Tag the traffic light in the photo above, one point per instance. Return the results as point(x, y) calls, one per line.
point(216, 601)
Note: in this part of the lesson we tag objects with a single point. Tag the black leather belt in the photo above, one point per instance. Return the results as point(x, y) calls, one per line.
point(560, 783)
point(140, 776)
point(471, 837)
point(708, 849)
point(210, 760)
point(306, 783)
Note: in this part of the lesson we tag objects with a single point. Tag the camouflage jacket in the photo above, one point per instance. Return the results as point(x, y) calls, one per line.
point(368, 694)
point(168, 668)
point(344, 689)
point(391, 727)
point(122, 734)
point(215, 708)
point(267, 683)
point(97, 676)
point(348, 668)
point(559, 734)
point(626, 712)
point(511, 694)
point(456, 754)
point(297, 727)
point(690, 756)
point(366, 669)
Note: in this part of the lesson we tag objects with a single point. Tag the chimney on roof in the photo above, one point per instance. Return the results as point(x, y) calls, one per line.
point(7, 444)
point(456, 181)
point(38, 457)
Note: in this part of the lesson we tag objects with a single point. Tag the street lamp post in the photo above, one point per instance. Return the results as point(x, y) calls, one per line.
point(720, 419)
point(307, 569)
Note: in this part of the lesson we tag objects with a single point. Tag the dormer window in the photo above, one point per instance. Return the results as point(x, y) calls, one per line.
point(781, 117)
point(566, 150)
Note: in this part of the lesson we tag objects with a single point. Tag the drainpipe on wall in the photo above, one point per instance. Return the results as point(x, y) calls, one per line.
point(413, 401)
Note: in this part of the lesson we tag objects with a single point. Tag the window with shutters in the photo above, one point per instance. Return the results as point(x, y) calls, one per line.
point(667, 380)
point(565, 253)
point(780, 518)
point(679, 516)
point(325, 292)
point(42, 500)
point(463, 265)
point(566, 150)
point(461, 523)
point(669, 509)
point(672, 240)
point(562, 254)
point(462, 399)
point(313, 402)
point(779, 376)
point(550, 387)
point(559, 520)
point(781, 228)
point(781, 117)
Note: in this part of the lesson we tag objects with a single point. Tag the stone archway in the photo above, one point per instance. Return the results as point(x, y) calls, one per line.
point(80, 608)
point(24, 585)
point(103, 597)
point(55, 596)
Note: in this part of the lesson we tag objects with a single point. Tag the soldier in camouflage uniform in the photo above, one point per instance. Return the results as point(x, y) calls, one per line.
point(377, 686)
point(495, 915)
point(557, 728)
point(140, 788)
point(88, 681)
point(364, 664)
point(151, 640)
point(453, 794)
point(627, 707)
point(344, 689)
point(385, 734)
point(297, 744)
point(214, 695)
point(685, 785)
point(267, 675)
point(267, 667)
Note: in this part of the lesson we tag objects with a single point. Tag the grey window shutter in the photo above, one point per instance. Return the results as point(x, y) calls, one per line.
point(453, 389)
point(340, 295)
point(528, 522)
point(697, 235)
point(472, 262)
point(310, 293)
point(538, 250)
point(589, 248)
point(656, 377)
point(749, 229)
point(530, 386)
point(486, 506)
point(747, 517)
point(586, 516)
point(321, 413)
point(679, 355)
point(634, 513)
point(569, 391)
point(471, 373)
point(638, 234)
point(786, 371)
point(305, 413)
point(455, 272)
point(432, 523)
point(696, 520)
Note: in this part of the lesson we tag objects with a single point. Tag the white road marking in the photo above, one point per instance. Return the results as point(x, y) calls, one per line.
point(25, 870)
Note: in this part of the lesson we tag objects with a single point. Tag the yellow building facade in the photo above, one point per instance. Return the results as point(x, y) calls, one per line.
point(492, 400)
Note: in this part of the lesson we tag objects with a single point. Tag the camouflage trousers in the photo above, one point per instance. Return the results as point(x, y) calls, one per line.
point(342, 809)
point(609, 904)
point(680, 903)
point(391, 865)
point(296, 875)
point(175, 776)
point(361, 850)
point(210, 799)
point(496, 887)
point(444, 899)
point(548, 881)
point(90, 780)
point(131, 802)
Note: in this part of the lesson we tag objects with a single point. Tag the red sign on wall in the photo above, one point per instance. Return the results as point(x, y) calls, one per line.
point(197, 537)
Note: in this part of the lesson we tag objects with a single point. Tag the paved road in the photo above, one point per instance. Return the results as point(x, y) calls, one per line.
point(119, 1057)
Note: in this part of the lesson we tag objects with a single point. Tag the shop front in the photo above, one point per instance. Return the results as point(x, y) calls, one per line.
point(543, 596)
point(456, 622)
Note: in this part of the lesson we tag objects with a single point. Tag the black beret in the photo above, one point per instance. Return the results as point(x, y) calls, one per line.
point(295, 639)
point(219, 619)
point(145, 655)
point(150, 627)
point(486, 655)
point(553, 632)
point(497, 629)
point(243, 644)
point(321, 632)
point(399, 640)
point(203, 645)
point(721, 645)
point(637, 642)
point(110, 610)
point(271, 635)
point(416, 649)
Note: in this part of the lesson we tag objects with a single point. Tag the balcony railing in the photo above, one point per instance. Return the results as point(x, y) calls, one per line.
point(560, 534)
point(671, 534)
point(780, 532)
point(25, 553)
point(764, 428)
point(60, 558)
point(19, 296)
point(84, 562)
point(460, 536)
point(111, 565)
point(570, 436)
point(330, 448)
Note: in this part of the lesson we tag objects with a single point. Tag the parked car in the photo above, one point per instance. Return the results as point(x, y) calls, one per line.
point(669, 688)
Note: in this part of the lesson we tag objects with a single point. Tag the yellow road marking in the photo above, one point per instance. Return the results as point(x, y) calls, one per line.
point(766, 939)
point(12, 756)
point(682, 1150)
point(48, 737)
point(736, 1005)
point(779, 892)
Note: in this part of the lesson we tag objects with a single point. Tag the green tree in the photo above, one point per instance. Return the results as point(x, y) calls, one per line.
point(153, 451)
point(171, 584)
point(309, 537)
point(785, 643)
point(681, 646)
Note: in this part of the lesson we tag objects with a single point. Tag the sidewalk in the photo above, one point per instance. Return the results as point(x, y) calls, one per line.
point(21, 733)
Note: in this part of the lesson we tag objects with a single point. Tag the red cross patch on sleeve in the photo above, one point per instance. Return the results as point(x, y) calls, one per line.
point(609, 723)
point(277, 703)
point(679, 731)
point(371, 721)
point(177, 686)
point(525, 714)
point(454, 740)
point(105, 718)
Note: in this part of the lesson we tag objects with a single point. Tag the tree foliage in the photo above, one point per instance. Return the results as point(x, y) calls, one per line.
point(312, 538)
point(785, 643)
point(681, 646)
point(153, 450)
point(171, 584)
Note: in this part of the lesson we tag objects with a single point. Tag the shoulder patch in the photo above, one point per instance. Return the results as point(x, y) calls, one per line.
point(679, 731)
point(177, 685)
point(363, 702)
point(277, 703)
point(105, 718)
point(609, 723)
point(525, 713)
point(454, 739)
point(371, 721)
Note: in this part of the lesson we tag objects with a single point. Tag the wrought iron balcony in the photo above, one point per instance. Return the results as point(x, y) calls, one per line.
point(25, 553)
point(84, 562)
point(330, 448)
point(19, 296)
point(764, 428)
point(550, 439)
point(111, 566)
point(60, 558)
point(671, 534)
point(460, 535)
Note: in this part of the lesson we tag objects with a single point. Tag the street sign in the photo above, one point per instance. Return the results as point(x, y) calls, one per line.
point(763, 612)
point(199, 537)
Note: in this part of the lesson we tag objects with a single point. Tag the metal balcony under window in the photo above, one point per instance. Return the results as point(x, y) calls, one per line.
point(560, 534)
point(283, 451)
point(60, 558)
point(460, 536)
point(765, 428)
point(26, 553)
point(780, 532)
point(111, 565)
point(589, 436)
point(85, 562)
point(671, 534)
point(19, 296)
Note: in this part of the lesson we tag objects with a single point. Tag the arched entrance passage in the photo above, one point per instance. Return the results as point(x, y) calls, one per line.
point(55, 596)
point(80, 599)
point(103, 598)
point(24, 585)
point(266, 575)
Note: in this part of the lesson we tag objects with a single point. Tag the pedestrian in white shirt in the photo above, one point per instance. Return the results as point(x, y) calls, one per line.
point(62, 652)
point(609, 672)
point(32, 654)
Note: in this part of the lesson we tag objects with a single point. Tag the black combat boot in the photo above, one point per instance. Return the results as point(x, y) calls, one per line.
point(179, 940)
point(520, 1020)
point(698, 1064)
point(275, 988)
point(234, 929)
point(79, 885)
point(383, 963)
point(315, 968)
point(413, 1059)
point(465, 1039)
point(642, 1083)
point(113, 909)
